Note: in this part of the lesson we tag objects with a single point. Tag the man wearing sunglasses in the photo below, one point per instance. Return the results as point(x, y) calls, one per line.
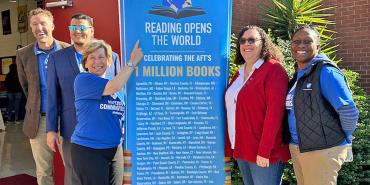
point(63, 67)
point(31, 65)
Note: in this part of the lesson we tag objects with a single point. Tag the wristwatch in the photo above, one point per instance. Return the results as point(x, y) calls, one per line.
point(130, 64)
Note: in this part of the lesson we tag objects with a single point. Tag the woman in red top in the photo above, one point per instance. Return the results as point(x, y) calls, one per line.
point(255, 101)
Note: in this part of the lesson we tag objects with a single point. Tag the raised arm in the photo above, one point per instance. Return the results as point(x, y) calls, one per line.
point(122, 77)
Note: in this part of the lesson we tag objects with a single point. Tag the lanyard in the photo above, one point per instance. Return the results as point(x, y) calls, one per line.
point(79, 63)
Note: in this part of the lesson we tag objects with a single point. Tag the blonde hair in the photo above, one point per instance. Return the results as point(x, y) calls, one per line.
point(38, 11)
point(94, 45)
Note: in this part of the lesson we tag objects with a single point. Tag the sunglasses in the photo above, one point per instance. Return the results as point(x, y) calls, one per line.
point(248, 40)
point(80, 28)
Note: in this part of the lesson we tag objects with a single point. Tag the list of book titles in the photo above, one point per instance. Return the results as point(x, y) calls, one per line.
point(176, 125)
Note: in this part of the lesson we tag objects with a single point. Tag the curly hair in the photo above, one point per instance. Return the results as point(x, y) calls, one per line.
point(269, 50)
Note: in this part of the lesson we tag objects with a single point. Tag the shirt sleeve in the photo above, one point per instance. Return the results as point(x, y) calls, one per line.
point(89, 86)
point(334, 88)
point(114, 68)
point(116, 61)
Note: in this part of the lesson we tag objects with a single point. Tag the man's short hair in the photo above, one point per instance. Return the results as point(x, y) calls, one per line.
point(84, 17)
point(38, 11)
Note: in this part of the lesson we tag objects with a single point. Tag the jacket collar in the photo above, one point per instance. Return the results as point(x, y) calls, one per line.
point(256, 65)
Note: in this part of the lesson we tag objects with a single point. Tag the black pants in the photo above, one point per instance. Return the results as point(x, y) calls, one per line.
point(92, 166)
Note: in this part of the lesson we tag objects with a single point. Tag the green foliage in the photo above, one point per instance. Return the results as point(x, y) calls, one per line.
point(284, 47)
point(236, 176)
point(358, 171)
point(284, 16)
point(233, 67)
point(289, 176)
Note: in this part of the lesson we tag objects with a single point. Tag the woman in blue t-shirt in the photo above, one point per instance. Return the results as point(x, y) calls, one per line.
point(100, 113)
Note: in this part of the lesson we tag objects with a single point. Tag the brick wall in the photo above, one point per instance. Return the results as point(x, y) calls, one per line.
point(352, 19)
point(244, 13)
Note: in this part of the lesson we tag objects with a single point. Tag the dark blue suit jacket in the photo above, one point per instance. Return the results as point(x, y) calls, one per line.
point(62, 71)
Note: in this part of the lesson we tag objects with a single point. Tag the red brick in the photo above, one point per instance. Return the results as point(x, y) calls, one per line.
point(362, 19)
point(361, 2)
point(347, 4)
point(366, 77)
point(356, 68)
point(365, 59)
point(364, 15)
point(349, 12)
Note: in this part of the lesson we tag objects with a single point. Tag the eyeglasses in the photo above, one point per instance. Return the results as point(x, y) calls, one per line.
point(248, 40)
point(305, 42)
point(80, 27)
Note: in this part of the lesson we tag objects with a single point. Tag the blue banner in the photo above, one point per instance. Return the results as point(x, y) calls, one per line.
point(174, 131)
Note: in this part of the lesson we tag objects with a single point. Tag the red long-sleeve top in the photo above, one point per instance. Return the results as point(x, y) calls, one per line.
point(259, 114)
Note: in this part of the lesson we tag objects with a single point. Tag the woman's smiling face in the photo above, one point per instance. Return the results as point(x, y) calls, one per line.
point(96, 62)
point(305, 46)
point(250, 45)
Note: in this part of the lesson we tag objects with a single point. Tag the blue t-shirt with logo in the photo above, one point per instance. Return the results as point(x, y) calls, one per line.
point(99, 117)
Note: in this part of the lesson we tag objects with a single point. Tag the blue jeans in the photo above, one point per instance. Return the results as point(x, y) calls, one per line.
point(255, 175)
point(14, 100)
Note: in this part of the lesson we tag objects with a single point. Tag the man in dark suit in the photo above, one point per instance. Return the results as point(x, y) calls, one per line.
point(31, 65)
point(64, 65)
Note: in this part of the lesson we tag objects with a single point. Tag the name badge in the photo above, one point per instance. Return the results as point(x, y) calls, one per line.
point(308, 87)
point(289, 102)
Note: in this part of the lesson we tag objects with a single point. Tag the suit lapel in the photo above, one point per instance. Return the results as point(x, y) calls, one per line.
point(72, 59)
point(34, 65)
